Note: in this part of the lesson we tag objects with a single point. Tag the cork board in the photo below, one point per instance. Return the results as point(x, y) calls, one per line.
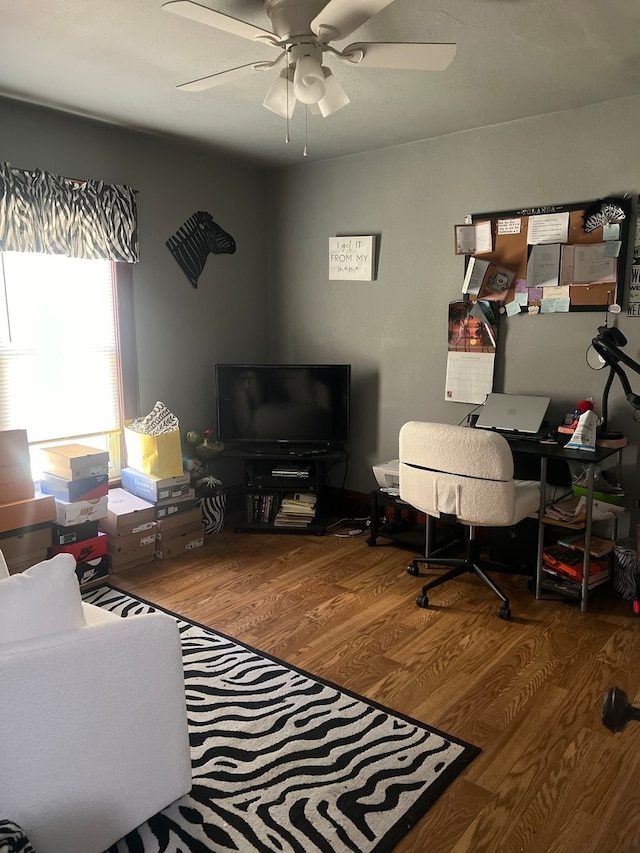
point(512, 249)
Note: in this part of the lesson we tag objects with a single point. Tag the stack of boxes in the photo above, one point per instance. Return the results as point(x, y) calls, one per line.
point(77, 478)
point(130, 530)
point(178, 521)
point(25, 518)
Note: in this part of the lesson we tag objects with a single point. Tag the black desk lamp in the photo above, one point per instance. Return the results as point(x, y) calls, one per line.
point(607, 344)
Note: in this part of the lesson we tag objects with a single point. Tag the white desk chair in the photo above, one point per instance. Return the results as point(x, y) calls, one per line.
point(466, 474)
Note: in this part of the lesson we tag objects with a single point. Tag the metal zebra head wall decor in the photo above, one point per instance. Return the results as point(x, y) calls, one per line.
point(193, 241)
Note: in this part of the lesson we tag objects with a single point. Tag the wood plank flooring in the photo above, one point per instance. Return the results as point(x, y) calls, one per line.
point(550, 779)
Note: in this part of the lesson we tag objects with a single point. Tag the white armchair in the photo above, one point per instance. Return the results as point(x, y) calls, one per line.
point(93, 724)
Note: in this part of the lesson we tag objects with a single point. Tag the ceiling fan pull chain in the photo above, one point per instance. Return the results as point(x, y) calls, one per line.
point(287, 136)
point(305, 153)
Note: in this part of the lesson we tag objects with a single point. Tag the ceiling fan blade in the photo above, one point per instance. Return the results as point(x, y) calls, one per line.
point(410, 56)
point(204, 15)
point(203, 83)
point(340, 18)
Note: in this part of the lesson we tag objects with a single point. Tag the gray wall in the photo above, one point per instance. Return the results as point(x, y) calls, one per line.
point(180, 331)
point(394, 330)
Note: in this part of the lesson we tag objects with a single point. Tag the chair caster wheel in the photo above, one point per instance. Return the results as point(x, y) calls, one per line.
point(505, 612)
point(413, 570)
point(422, 600)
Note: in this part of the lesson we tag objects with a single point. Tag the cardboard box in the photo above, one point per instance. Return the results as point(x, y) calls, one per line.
point(25, 561)
point(93, 570)
point(62, 535)
point(78, 512)
point(387, 474)
point(16, 483)
point(86, 489)
point(166, 548)
point(84, 551)
point(192, 526)
point(173, 508)
point(155, 489)
point(159, 455)
point(129, 559)
point(130, 544)
point(126, 514)
point(165, 525)
point(75, 461)
point(19, 514)
point(24, 549)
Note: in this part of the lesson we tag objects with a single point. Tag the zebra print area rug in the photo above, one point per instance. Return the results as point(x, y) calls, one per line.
point(286, 763)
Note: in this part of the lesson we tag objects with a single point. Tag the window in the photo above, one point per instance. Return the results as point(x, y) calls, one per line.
point(59, 355)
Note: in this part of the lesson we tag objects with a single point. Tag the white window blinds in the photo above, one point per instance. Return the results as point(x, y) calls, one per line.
point(59, 371)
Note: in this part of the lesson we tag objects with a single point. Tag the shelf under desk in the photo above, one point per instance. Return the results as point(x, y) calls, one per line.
point(590, 458)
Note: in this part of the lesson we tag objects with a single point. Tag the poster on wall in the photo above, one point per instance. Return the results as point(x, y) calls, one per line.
point(472, 329)
point(633, 305)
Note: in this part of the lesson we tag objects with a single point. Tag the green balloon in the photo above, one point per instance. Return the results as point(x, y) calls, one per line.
point(194, 438)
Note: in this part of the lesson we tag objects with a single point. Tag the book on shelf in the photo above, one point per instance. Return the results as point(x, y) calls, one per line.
point(569, 562)
point(283, 519)
point(261, 506)
point(567, 586)
point(598, 546)
point(302, 498)
point(297, 509)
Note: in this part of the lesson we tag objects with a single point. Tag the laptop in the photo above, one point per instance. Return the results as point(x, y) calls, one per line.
point(513, 413)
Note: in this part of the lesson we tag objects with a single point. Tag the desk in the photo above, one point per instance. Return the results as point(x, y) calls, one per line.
point(589, 458)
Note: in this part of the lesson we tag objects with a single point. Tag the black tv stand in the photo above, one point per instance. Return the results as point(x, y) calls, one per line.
point(270, 474)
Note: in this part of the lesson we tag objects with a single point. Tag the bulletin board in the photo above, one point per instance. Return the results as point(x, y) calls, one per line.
point(511, 249)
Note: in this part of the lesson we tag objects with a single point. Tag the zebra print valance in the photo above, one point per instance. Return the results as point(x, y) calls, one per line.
point(45, 213)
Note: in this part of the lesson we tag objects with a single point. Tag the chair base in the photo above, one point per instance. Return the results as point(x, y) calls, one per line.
point(470, 565)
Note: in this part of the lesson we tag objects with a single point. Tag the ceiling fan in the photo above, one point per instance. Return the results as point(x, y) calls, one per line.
point(302, 31)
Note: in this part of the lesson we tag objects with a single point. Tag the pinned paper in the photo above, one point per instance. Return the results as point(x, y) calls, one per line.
point(512, 308)
point(611, 231)
point(612, 248)
point(509, 226)
point(543, 266)
point(592, 265)
point(474, 239)
point(555, 300)
point(548, 228)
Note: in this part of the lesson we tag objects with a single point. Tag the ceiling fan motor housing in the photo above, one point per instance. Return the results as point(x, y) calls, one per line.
point(291, 19)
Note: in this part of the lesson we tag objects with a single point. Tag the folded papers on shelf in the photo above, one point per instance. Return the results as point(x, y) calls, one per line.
point(572, 510)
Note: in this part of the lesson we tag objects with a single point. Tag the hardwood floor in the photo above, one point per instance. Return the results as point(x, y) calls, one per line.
point(550, 777)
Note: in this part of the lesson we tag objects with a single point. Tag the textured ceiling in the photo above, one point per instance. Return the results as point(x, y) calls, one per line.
point(120, 60)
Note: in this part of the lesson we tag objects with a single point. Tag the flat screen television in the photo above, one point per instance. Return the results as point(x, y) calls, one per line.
point(283, 404)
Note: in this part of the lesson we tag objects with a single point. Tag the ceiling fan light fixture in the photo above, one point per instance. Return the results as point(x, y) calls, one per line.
point(335, 96)
point(278, 99)
point(308, 80)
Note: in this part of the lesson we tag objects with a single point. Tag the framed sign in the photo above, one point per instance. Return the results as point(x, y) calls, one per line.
point(351, 258)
